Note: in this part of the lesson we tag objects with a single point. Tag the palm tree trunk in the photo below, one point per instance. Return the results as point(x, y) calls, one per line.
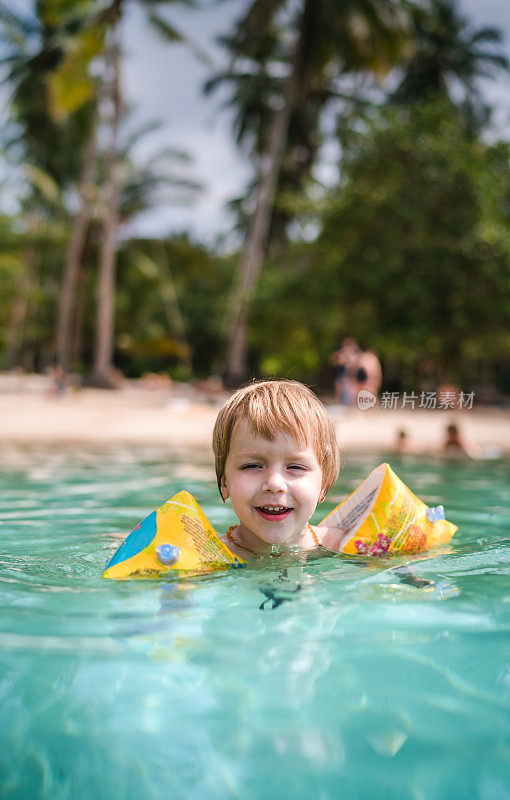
point(252, 257)
point(103, 354)
point(19, 306)
point(255, 246)
point(77, 333)
point(172, 308)
point(75, 251)
point(17, 318)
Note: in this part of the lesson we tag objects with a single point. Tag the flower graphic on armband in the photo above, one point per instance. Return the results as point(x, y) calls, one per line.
point(381, 546)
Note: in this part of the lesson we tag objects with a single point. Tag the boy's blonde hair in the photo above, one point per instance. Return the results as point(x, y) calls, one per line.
point(271, 407)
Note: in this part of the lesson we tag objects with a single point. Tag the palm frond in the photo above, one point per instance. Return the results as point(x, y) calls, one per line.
point(24, 25)
point(170, 33)
point(486, 35)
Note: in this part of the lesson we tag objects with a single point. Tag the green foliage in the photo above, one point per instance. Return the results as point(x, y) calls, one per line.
point(170, 306)
point(323, 43)
point(41, 50)
point(57, 71)
point(449, 53)
point(289, 334)
point(413, 258)
point(416, 244)
point(29, 271)
point(413, 255)
point(70, 86)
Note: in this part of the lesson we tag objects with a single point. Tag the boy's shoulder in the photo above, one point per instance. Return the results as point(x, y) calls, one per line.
point(332, 538)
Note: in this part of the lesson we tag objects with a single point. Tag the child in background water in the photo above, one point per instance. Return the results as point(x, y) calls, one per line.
point(276, 457)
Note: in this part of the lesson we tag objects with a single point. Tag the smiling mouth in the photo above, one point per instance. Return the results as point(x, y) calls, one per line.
point(273, 512)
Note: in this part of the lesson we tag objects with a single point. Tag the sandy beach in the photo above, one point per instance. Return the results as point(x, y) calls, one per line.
point(31, 413)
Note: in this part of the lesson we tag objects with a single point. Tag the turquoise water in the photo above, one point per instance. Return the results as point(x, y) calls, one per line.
point(328, 679)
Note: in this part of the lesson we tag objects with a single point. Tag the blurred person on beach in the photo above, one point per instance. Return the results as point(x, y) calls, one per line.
point(156, 381)
point(345, 362)
point(355, 370)
point(449, 392)
point(58, 382)
point(211, 390)
point(368, 372)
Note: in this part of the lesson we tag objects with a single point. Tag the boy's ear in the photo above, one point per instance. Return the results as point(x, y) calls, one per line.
point(223, 488)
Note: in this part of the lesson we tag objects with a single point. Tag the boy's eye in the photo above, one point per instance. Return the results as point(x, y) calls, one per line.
point(250, 466)
point(298, 466)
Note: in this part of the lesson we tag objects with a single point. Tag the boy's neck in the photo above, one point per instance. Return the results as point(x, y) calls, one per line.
point(247, 541)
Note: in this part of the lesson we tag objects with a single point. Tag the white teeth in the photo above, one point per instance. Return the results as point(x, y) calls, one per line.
point(273, 508)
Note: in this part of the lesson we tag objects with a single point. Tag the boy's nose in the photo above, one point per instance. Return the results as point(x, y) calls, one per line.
point(274, 482)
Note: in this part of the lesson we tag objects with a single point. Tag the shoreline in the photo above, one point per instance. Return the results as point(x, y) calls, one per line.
point(32, 414)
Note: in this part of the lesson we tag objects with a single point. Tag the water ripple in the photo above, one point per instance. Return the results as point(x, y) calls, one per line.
point(312, 668)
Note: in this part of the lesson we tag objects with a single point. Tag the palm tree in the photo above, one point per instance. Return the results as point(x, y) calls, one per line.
point(103, 351)
point(449, 54)
point(19, 307)
point(254, 96)
point(74, 251)
point(34, 47)
point(328, 40)
point(56, 87)
point(59, 108)
point(110, 16)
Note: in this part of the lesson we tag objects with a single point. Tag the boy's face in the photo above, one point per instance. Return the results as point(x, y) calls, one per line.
point(274, 486)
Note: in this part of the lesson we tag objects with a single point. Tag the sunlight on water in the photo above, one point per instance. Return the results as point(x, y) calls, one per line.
point(325, 679)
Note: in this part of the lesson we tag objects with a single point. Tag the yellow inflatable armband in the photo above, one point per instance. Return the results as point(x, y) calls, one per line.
point(176, 536)
point(384, 517)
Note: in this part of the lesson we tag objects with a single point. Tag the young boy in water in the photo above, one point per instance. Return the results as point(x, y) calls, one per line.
point(276, 457)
